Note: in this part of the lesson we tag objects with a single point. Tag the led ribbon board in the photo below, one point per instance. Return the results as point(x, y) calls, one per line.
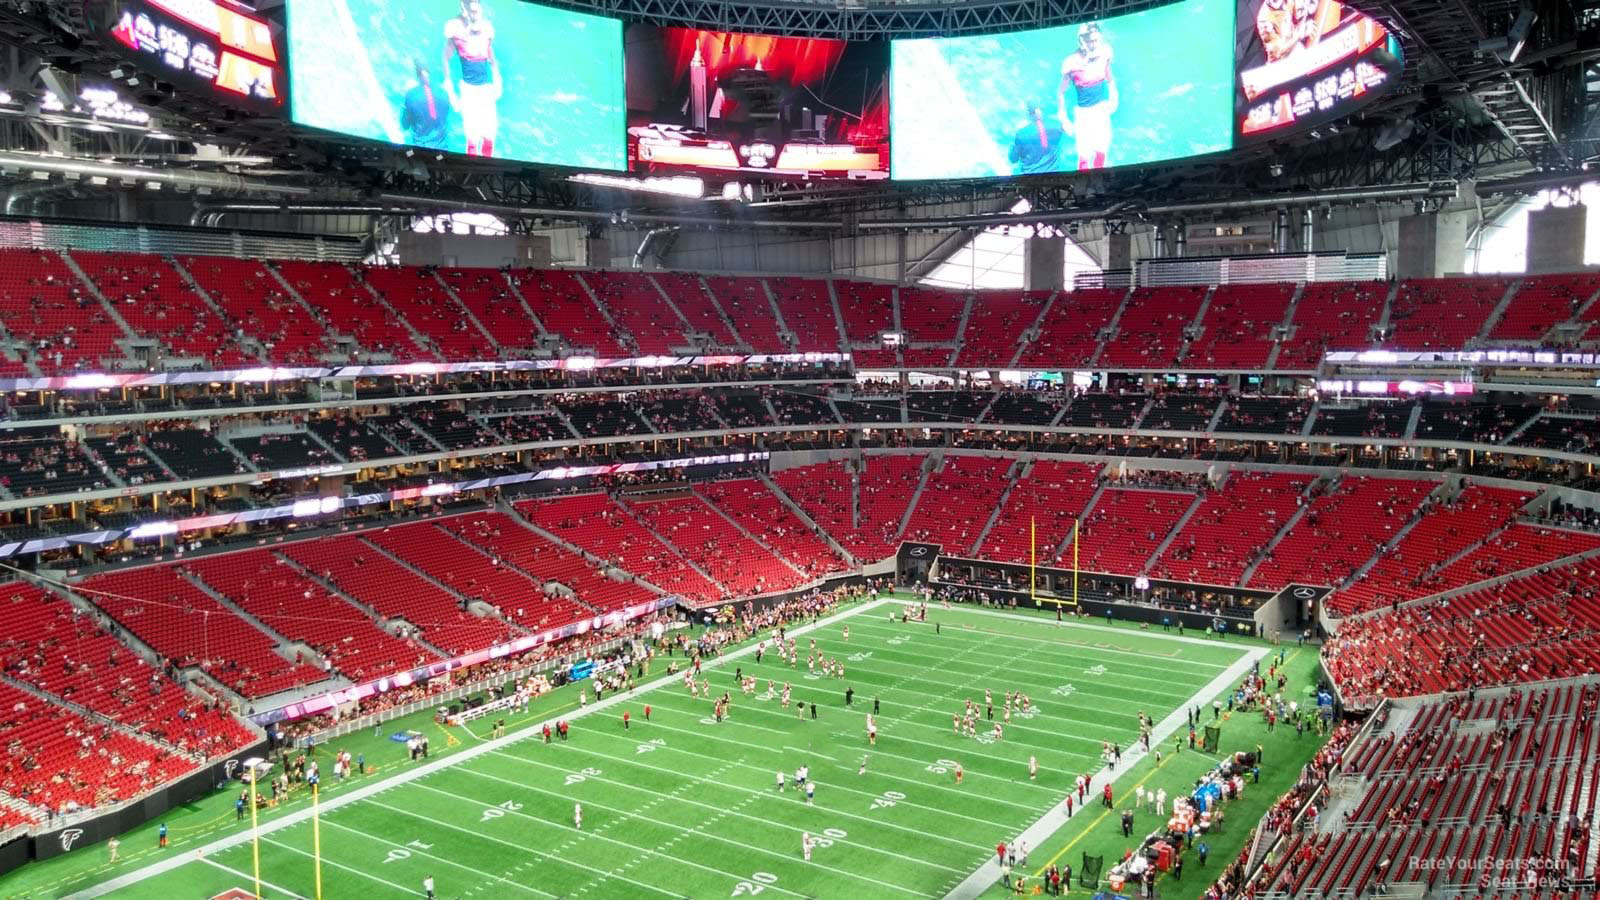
point(1305, 62)
point(224, 47)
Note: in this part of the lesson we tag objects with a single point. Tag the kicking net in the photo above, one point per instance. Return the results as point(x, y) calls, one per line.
point(1089, 874)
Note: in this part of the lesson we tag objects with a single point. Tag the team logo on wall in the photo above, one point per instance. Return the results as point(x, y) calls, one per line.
point(70, 837)
point(229, 768)
point(919, 551)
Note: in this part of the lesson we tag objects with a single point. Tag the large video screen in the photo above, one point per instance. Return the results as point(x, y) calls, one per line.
point(215, 46)
point(494, 78)
point(1302, 62)
point(756, 104)
point(1139, 88)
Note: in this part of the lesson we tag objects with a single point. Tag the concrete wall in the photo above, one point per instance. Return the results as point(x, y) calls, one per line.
point(479, 251)
point(1043, 259)
point(1556, 237)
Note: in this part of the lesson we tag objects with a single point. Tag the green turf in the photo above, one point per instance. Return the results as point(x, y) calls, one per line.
point(677, 807)
point(1099, 832)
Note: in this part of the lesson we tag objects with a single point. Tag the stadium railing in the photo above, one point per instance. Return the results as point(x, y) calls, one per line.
point(1274, 838)
point(434, 701)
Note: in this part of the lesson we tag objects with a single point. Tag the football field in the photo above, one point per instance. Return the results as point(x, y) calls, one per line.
point(683, 806)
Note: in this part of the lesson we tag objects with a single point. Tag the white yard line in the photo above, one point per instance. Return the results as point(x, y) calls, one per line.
point(746, 790)
point(243, 836)
point(923, 674)
point(868, 750)
point(879, 656)
point(628, 861)
point(532, 729)
point(988, 875)
point(813, 753)
point(415, 852)
point(754, 796)
point(526, 849)
point(1077, 648)
point(1076, 624)
point(885, 731)
point(364, 874)
point(250, 879)
point(955, 701)
point(696, 831)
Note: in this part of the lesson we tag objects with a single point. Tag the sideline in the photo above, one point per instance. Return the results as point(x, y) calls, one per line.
point(988, 875)
point(532, 729)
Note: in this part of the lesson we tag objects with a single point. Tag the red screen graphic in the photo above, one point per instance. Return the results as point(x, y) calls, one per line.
point(756, 104)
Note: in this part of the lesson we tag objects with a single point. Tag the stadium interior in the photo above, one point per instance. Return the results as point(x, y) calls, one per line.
point(305, 432)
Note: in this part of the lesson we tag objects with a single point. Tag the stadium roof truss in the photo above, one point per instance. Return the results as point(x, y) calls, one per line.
point(862, 19)
point(1467, 114)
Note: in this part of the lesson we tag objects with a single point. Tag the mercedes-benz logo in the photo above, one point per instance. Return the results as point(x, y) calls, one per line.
point(1305, 593)
point(919, 551)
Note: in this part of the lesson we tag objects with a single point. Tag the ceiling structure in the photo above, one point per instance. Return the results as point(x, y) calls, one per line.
point(1461, 112)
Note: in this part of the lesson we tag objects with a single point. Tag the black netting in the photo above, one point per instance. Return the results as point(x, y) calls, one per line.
point(1089, 875)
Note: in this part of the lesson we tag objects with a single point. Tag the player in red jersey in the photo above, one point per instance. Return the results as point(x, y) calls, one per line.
point(469, 38)
point(1087, 73)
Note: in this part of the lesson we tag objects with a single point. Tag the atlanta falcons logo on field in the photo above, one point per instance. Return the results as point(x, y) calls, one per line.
point(70, 837)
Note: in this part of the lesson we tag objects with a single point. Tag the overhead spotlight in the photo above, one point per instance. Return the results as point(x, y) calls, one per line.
point(1276, 169)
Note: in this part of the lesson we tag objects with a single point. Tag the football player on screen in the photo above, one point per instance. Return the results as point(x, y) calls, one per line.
point(469, 37)
point(1037, 145)
point(1087, 72)
point(1275, 25)
point(1286, 26)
